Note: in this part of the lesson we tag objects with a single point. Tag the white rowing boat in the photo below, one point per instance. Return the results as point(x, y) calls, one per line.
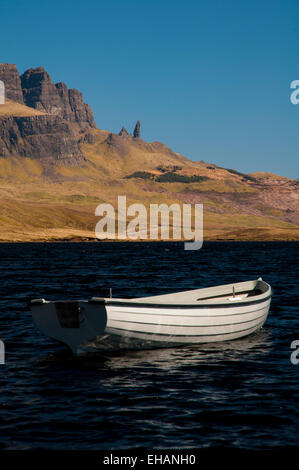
point(207, 315)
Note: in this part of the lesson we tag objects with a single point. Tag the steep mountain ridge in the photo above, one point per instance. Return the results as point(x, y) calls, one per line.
point(35, 89)
point(40, 93)
point(41, 120)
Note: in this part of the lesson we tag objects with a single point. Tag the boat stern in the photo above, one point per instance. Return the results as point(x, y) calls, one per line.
point(72, 322)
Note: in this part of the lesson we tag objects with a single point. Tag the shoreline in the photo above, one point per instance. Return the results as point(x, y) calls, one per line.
point(259, 234)
point(83, 240)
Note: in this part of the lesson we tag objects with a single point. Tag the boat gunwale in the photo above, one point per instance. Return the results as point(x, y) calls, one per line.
point(145, 302)
point(200, 303)
point(119, 302)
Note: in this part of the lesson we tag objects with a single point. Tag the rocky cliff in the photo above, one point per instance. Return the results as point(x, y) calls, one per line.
point(41, 120)
point(46, 138)
point(40, 93)
point(35, 89)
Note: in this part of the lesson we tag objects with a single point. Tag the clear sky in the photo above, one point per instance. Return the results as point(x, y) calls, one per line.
point(210, 78)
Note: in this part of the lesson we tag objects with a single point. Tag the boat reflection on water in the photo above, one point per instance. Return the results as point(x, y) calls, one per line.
point(248, 349)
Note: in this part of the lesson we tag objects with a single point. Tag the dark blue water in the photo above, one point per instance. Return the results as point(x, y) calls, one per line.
point(241, 394)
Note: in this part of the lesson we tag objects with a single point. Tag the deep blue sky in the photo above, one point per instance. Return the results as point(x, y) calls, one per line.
point(210, 78)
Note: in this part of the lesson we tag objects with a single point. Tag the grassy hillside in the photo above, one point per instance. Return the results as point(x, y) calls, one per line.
point(11, 108)
point(60, 204)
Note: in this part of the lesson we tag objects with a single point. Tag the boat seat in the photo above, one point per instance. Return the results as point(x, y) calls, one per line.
point(254, 292)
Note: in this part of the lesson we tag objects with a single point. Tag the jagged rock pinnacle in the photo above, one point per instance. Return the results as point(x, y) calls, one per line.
point(123, 132)
point(136, 133)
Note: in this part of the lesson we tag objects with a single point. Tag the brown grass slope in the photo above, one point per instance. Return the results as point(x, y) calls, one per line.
point(11, 108)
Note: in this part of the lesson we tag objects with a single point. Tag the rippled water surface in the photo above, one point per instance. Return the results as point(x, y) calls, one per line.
point(241, 393)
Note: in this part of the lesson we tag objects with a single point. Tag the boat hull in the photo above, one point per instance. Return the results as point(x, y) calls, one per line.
point(133, 327)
